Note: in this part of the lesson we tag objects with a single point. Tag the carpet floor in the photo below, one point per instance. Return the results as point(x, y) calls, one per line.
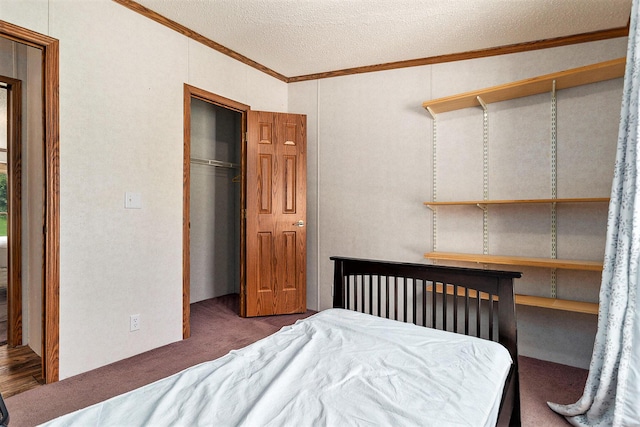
point(215, 330)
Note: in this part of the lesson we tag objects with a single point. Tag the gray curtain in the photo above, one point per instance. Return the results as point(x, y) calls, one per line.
point(612, 392)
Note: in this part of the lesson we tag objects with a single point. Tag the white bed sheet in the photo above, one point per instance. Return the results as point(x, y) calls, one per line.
point(336, 368)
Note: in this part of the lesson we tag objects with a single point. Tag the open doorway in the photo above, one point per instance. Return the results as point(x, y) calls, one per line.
point(11, 292)
point(213, 234)
point(4, 256)
point(215, 200)
point(40, 107)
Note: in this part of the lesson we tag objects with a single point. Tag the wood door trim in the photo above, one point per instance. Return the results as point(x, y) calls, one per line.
point(14, 239)
point(203, 95)
point(212, 98)
point(474, 54)
point(51, 106)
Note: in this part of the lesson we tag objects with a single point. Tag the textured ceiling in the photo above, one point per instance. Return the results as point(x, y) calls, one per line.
point(299, 37)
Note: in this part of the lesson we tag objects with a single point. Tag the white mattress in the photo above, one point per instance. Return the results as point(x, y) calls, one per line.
point(336, 368)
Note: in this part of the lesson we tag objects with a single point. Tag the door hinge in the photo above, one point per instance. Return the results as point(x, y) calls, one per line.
point(244, 214)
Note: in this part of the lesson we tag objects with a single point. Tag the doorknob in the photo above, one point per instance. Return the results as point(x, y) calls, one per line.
point(299, 223)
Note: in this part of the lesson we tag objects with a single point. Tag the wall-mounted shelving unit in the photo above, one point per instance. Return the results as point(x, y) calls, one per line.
point(563, 80)
point(548, 83)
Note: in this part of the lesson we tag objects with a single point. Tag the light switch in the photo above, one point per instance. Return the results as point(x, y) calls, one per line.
point(132, 200)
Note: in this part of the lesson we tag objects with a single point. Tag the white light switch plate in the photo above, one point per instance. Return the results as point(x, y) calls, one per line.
point(132, 200)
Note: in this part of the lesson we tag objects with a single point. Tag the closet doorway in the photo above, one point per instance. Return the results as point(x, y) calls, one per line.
point(215, 200)
point(213, 237)
point(245, 178)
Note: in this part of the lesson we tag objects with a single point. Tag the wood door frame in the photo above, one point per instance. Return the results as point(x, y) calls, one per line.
point(51, 126)
point(192, 92)
point(14, 203)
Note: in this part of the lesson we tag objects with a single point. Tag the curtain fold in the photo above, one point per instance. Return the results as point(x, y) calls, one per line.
point(611, 395)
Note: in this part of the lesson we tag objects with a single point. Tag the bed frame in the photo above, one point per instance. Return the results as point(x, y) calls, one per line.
point(460, 300)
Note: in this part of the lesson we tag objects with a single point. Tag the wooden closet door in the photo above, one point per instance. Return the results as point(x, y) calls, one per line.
point(275, 214)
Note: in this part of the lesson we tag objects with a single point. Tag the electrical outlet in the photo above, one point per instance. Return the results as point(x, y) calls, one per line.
point(134, 322)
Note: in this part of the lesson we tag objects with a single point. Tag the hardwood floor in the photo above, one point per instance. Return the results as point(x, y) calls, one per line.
point(20, 367)
point(20, 370)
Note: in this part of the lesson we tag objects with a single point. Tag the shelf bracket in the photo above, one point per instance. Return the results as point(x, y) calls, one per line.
point(482, 103)
point(433, 115)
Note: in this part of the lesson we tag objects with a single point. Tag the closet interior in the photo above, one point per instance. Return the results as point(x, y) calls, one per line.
point(215, 200)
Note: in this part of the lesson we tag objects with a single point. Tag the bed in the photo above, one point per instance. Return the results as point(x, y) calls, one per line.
point(355, 364)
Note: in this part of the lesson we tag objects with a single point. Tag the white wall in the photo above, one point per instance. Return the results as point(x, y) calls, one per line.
point(121, 109)
point(373, 169)
point(32, 204)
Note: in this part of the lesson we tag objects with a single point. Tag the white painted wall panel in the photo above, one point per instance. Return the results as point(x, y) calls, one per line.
point(31, 14)
point(121, 79)
point(458, 145)
point(588, 118)
point(217, 73)
point(519, 148)
point(303, 99)
point(32, 204)
point(265, 92)
point(224, 76)
point(374, 168)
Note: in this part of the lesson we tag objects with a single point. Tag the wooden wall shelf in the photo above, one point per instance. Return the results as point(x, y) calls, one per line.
point(519, 201)
point(531, 301)
point(558, 304)
point(565, 79)
point(516, 261)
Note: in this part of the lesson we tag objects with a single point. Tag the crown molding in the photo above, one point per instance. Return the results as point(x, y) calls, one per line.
point(482, 53)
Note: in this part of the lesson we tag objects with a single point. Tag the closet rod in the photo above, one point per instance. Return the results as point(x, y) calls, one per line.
point(216, 163)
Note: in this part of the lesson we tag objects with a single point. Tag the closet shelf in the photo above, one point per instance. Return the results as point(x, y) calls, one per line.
point(529, 300)
point(565, 79)
point(519, 201)
point(216, 163)
point(515, 260)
